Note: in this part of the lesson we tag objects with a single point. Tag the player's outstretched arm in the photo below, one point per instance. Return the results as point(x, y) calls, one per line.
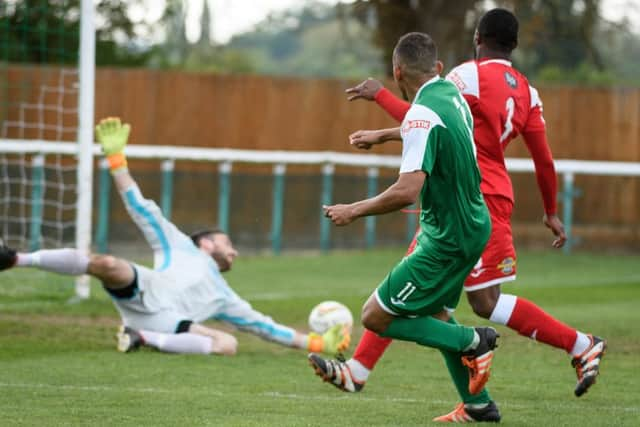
point(373, 90)
point(160, 233)
point(365, 139)
point(399, 195)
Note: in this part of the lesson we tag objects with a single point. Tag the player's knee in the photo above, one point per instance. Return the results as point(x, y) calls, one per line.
point(371, 321)
point(102, 263)
point(110, 269)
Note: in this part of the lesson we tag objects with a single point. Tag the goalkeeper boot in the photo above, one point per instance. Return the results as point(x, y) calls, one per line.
point(336, 372)
point(461, 414)
point(8, 257)
point(128, 339)
point(112, 135)
point(588, 364)
point(479, 359)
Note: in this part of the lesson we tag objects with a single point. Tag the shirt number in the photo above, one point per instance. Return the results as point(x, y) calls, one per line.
point(467, 118)
point(508, 125)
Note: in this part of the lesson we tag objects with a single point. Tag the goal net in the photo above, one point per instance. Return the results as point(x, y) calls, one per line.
point(45, 166)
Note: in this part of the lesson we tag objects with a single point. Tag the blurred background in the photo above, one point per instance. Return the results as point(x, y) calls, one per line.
point(270, 75)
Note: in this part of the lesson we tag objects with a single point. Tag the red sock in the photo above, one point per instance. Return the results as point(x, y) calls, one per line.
point(533, 322)
point(370, 349)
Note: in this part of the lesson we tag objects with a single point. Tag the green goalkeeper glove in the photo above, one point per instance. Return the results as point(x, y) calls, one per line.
point(335, 340)
point(113, 137)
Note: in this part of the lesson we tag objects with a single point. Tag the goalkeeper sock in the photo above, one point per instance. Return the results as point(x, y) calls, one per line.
point(184, 343)
point(63, 261)
point(431, 332)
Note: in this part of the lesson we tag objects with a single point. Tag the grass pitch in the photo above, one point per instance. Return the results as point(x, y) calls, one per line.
point(58, 364)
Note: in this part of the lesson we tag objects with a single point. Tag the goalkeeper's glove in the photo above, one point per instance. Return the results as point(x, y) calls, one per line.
point(335, 340)
point(113, 137)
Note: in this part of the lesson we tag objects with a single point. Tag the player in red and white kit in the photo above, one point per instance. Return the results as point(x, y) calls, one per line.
point(504, 105)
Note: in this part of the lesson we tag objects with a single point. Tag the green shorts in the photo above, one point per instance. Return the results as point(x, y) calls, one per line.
point(425, 282)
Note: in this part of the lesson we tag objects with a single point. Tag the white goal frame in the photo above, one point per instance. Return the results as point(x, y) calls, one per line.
point(87, 66)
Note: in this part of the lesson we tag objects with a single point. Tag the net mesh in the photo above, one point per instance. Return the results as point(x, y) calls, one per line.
point(38, 102)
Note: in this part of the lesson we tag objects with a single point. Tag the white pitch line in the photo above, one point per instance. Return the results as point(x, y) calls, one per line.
point(325, 398)
point(567, 405)
point(87, 388)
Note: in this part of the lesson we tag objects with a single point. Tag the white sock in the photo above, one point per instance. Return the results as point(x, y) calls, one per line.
point(503, 309)
point(185, 343)
point(359, 372)
point(63, 261)
point(582, 344)
point(474, 342)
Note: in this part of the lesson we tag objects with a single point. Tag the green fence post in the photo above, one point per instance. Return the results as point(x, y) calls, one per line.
point(167, 187)
point(104, 201)
point(277, 212)
point(327, 197)
point(370, 221)
point(37, 193)
point(568, 193)
point(224, 195)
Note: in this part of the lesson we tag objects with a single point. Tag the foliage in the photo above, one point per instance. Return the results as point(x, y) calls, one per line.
point(315, 40)
point(47, 31)
point(60, 366)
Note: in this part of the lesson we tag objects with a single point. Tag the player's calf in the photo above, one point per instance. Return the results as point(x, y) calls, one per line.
point(113, 272)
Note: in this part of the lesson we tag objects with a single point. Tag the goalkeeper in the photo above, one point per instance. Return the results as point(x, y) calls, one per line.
point(164, 307)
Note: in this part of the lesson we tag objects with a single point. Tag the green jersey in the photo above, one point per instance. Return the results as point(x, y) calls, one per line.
point(437, 138)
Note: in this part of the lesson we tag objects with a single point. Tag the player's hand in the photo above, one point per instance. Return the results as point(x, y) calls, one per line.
point(339, 214)
point(365, 90)
point(112, 135)
point(365, 139)
point(555, 225)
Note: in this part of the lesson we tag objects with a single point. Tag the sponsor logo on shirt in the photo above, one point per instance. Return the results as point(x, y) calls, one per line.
point(510, 79)
point(415, 124)
point(457, 80)
point(507, 265)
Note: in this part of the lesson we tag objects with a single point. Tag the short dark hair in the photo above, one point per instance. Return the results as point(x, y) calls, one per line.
point(417, 52)
point(498, 29)
point(202, 234)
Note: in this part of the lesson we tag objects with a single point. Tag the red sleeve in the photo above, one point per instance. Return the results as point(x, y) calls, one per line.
point(536, 142)
point(393, 105)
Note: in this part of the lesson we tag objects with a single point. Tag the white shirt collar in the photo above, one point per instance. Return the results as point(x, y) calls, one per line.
point(496, 61)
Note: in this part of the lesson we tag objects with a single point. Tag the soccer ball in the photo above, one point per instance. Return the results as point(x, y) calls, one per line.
point(327, 314)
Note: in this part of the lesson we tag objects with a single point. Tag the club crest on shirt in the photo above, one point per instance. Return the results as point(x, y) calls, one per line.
point(507, 265)
point(510, 79)
point(415, 124)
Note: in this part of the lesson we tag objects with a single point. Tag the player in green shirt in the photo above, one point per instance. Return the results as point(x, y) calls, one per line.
point(414, 302)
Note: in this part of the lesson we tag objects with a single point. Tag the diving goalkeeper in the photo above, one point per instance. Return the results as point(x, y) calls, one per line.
point(164, 307)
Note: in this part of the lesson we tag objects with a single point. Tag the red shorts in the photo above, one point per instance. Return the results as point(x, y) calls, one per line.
point(497, 264)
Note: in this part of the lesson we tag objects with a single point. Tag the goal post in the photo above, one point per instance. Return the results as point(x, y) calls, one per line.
point(47, 79)
point(85, 137)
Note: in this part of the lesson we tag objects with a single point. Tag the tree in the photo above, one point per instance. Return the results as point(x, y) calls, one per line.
point(450, 25)
point(47, 31)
